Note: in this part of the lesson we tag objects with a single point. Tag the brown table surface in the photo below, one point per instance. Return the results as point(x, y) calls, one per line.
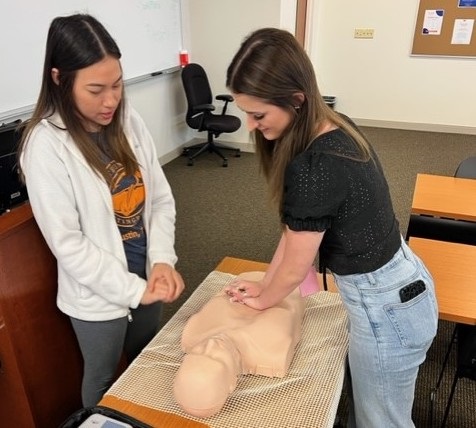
point(157, 418)
point(453, 267)
point(444, 196)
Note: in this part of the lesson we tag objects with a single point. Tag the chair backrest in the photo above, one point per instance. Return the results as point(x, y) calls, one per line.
point(467, 168)
point(442, 229)
point(197, 90)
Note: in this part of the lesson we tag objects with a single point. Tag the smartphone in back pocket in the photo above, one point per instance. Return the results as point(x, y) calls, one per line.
point(412, 290)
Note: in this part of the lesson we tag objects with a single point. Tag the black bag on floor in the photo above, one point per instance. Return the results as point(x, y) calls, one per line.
point(78, 417)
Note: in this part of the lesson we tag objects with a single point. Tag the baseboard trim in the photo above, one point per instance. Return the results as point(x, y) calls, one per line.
point(414, 126)
point(244, 147)
point(249, 147)
point(170, 156)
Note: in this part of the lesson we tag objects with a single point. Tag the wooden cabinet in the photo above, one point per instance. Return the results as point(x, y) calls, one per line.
point(40, 361)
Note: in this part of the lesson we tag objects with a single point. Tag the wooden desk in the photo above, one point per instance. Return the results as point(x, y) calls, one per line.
point(453, 267)
point(138, 391)
point(443, 196)
point(40, 361)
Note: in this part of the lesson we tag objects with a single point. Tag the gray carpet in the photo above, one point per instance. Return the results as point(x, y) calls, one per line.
point(225, 212)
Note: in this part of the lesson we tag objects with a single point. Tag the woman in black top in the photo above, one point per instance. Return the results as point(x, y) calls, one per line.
point(333, 198)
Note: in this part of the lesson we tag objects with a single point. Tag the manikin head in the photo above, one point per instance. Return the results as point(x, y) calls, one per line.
point(207, 376)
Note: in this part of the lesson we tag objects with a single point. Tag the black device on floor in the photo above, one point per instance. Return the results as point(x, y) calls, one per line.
point(12, 190)
point(101, 417)
point(412, 290)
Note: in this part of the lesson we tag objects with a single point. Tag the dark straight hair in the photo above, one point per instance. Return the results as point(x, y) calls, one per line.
point(75, 42)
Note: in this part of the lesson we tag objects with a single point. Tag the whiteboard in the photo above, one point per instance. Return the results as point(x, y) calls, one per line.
point(148, 33)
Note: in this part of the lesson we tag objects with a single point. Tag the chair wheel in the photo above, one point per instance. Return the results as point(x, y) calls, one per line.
point(238, 153)
point(190, 162)
point(225, 164)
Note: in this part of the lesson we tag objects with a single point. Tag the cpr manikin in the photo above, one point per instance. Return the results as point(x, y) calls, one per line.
point(225, 339)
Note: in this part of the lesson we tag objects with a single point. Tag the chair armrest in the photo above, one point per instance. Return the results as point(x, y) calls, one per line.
point(202, 110)
point(224, 97)
point(203, 107)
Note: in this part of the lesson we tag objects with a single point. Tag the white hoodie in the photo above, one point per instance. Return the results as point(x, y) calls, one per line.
point(73, 208)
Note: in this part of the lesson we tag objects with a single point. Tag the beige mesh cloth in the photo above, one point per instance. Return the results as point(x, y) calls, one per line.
point(307, 396)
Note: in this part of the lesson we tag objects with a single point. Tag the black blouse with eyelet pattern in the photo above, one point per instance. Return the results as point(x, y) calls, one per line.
point(327, 189)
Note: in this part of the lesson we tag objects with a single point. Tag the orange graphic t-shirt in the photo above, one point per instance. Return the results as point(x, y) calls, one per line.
point(128, 197)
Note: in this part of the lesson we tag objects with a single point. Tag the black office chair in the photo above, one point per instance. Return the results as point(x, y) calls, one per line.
point(464, 335)
point(450, 230)
point(200, 114)
point(467, 168)
point(446, 229)
point(463, 232)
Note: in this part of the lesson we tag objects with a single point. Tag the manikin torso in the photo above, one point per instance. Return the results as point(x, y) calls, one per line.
point(224, 340)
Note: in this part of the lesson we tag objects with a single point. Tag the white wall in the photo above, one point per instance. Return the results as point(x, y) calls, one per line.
point(162, 105)
point(378, 82)
point(212, 32)
point(217, 28)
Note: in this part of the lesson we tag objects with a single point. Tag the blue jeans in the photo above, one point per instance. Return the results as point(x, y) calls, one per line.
point(388, 339)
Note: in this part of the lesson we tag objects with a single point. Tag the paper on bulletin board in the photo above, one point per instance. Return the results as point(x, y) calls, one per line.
point(462, 31)
point(433, 21)
point(467, 3)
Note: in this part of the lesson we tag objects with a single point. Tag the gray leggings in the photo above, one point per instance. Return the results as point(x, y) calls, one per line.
point(103, 342)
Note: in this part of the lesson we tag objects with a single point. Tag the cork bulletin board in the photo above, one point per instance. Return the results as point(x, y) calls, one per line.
point(445, 28)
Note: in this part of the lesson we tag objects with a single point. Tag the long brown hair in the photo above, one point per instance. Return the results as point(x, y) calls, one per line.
point(270, 64)
point(75, 42)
